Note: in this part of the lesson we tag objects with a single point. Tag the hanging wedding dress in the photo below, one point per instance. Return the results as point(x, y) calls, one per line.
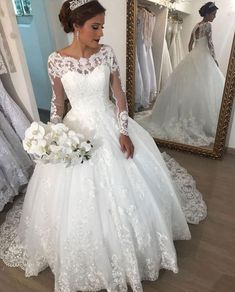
point(139, 86)
point(169, 33)
point(173, 48)
point(149, 24)
point(13, 113)
point(187, 109)
point(110, 221)
point(142, 58)
point(166, 65)
point(179, 45)
point(15, 165)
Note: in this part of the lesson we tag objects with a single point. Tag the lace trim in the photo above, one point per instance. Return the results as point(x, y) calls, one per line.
point(204, 29)
point(192, 203)
point(14, 254)
point(123, 123)
point(59, 65)
point(186, 131)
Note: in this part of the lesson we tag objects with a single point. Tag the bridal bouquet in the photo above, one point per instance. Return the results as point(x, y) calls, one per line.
point(56, 143)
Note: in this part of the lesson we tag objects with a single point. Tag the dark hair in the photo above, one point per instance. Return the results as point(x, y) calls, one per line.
point(207, 9)
point(79, 15)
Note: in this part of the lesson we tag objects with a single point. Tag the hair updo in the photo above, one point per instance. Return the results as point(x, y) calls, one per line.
point(79, 15)
point(207, 9)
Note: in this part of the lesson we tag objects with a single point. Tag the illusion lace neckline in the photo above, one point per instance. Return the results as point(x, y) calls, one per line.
point(82, 58)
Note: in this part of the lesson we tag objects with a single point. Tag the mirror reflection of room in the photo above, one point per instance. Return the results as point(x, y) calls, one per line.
point(179, 82)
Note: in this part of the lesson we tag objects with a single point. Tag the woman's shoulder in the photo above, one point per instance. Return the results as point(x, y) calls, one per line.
point(53, 57)
point(108, 48)
point(205, 24)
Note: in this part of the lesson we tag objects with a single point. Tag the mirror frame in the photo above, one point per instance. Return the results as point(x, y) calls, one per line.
point(227, 100)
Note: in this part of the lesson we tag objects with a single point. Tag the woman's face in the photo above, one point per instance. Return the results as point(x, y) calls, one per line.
point(211, 16)
point(92, 31)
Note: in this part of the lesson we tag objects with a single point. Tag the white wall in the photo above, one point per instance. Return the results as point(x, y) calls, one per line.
point(115, 31)
point(23, 92)
point(52, 9)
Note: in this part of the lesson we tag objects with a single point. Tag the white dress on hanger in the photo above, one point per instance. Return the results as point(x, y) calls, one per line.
point(110, 221)
point(139, 86)
point(173, 46)
point(15, 164)
point(179, 45)
point(149, 25)
point(169, 33)
point(187, 109)
point(13, 113)
point(166, 65)
point(143, 58)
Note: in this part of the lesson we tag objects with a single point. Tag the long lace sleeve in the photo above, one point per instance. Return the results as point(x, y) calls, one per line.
point(119, 95)
point(57, 102)
point(209, 38)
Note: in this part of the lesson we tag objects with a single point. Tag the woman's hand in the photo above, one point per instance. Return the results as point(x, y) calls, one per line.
point(126, 146)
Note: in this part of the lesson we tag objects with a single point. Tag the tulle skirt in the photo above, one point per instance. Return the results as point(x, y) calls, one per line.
point(107, 223)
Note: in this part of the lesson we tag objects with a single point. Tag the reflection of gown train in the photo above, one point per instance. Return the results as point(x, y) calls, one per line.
point(110, 221)
point(187, 109)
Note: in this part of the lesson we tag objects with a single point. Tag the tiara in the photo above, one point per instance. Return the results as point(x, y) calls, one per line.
point(77, 3)
point(212, 5)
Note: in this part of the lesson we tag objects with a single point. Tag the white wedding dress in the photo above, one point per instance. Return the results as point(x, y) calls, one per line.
point(187, 109)
point(15, 165)
point(110, 221)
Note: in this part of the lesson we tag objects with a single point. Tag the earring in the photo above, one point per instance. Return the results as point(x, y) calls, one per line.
point(77, 35)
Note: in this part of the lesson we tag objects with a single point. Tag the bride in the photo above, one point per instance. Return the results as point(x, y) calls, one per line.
point(111, 221)
point(187, 109)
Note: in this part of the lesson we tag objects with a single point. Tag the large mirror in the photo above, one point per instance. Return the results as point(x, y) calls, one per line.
point(181, 72)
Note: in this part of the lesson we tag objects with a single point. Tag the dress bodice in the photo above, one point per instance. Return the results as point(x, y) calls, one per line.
point(87, 90)
point(202, 36)
point(86, 81)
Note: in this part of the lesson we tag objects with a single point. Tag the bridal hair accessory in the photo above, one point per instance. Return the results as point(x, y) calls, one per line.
point(212, 5)
point(77, 3)
point(56, 143)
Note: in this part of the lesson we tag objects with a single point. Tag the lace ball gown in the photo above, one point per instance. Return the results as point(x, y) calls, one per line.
point(111, 221)
point(187, 109)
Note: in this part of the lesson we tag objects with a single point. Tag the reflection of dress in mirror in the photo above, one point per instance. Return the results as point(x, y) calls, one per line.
point(187, 109)
point(166, 65)
point(145, 27)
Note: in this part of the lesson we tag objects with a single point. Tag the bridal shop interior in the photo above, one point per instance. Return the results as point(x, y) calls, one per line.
point(188, 111)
